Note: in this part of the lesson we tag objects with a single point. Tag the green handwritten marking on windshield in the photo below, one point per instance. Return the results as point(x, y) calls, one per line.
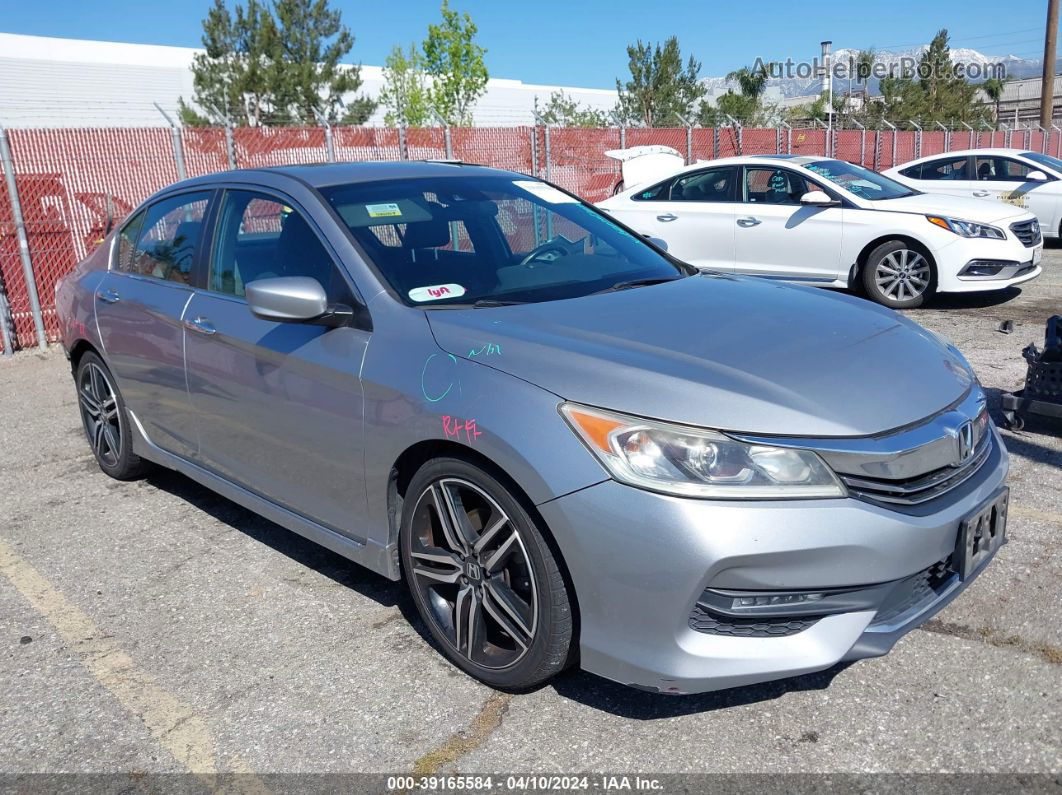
point(487, 350)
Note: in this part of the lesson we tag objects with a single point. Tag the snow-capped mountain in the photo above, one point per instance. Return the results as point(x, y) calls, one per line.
point(1015, 68)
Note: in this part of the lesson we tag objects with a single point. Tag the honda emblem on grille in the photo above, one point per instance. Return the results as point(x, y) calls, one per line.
point(965, 438)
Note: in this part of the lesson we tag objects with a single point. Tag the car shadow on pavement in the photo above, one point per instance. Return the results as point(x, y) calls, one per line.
point(972, 300)
point(284, 541)
point(626, 702)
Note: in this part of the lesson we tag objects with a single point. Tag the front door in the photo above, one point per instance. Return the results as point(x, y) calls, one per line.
point(279, 404)
point(1004, 179)
point(139, 307)
point(775, 235)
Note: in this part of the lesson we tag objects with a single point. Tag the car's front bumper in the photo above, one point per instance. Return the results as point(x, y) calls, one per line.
point(953, 259)
point(640, 561)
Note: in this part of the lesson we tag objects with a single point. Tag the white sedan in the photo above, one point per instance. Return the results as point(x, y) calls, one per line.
point(825, 222)
point(1030, 180)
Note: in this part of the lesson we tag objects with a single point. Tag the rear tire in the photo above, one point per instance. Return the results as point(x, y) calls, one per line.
point(899, 275)
point(483, 577)
point(105, 420)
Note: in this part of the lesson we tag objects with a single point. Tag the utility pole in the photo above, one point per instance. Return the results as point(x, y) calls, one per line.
point(1047, 86)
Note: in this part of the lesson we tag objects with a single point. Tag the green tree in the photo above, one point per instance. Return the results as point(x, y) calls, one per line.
point(405, 93)
point(993, 88)
point(455, 62)
point(745, 105)
point(660, 88)
point(275, 65)
point(563, 111)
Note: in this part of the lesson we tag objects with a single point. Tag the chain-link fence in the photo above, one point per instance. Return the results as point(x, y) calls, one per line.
point(64, 188)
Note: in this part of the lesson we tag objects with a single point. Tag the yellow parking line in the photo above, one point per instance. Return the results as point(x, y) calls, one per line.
point(173, 724)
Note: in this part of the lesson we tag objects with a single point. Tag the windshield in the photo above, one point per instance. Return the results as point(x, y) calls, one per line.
point(491, 239)
point(862, 182)
point(1044, 160)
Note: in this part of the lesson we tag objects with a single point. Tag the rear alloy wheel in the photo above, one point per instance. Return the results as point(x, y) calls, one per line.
point(898, 275)
point(483, 578)
point(104, 419)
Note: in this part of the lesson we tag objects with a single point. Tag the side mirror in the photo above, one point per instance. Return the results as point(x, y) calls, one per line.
point(1036, 176)
point(818, 198)
point(660, 243)
point(294, 299)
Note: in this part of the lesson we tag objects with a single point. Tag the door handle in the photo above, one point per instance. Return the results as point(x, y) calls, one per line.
point(980, 193)
point(200, 325)
point(108, 296)
point(667, 217)
point(750, 221)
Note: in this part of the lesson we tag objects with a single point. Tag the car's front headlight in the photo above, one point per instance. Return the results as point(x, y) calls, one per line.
point(691, 462)
point(967, 228)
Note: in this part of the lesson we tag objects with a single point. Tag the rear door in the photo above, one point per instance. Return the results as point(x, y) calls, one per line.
point(278, 405)
point(693, 213)
point(778, 236)
point(139, 308)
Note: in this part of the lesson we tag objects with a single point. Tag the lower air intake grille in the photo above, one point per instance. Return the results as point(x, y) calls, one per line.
point(712, 624)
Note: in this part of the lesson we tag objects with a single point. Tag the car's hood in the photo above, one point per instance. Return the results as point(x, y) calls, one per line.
point(961, 207)
point(733, 353)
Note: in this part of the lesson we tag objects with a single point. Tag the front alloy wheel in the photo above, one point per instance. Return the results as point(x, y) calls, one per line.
point(898, 276)
point(483, 578)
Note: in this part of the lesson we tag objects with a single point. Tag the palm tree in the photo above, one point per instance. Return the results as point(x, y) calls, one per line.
point(993, 87)
point(751, 80)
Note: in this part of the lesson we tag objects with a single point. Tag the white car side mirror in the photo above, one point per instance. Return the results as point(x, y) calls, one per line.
point(1036, 176)
point(817, 198)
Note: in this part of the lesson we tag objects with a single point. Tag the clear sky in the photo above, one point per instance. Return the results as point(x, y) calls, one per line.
point(582, 42)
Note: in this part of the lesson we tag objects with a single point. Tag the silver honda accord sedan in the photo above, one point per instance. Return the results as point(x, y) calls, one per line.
point(573, 447)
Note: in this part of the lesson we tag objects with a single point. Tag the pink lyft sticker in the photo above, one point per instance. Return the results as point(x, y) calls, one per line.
point(436, 292)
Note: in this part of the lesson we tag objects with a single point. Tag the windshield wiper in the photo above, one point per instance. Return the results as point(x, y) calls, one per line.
point(487, 303)
point(627, 285)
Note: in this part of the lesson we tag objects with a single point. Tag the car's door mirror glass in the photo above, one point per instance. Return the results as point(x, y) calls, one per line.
point(287, 299)
point(1036, 176)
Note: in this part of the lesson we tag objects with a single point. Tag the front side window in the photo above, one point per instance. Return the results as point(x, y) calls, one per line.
point(859, 181)
point(1000, 169)
point(260, 237)
point(773, 186)
point(463, 239)
point(167, 239)
point(946, 168)
point(713, 185)
point(126, 244)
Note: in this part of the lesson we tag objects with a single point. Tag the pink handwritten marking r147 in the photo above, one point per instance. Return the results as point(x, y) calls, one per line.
point(454, 427)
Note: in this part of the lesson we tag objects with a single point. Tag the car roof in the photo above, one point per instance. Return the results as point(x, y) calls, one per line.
point(321, 175)
point(756, 160)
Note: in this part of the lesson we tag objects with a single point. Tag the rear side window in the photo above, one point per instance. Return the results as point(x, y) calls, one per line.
point(658, 192)
point(167, 238)
point(261, 237)
point(712, 185)
point(945, 168)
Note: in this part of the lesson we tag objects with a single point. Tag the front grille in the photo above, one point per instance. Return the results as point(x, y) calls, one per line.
point(914, 594)
point(922, 488)
point(1028, 232)
point(760, 627)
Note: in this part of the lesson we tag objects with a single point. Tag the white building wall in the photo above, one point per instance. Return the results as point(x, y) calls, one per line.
point(52, 82)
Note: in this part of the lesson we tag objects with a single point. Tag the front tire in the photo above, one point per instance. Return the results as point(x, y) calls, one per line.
point(483, 577)
point(899, 275)
point(105, 420)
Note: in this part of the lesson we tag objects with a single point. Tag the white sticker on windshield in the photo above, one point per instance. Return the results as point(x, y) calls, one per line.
point(383, 210)
point(545, 192)
point(436, 292)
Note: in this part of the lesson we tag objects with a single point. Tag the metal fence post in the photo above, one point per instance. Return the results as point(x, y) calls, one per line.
point(6, 329)
point(973, 143)
point(1058, 143)
point(330, 147)
point(947, 136)
point(738, 132)
point(178, 144)
point(403, 144)
point(230, 144)
point(623, 136)
point(715, 142)
point(892, 127)
point(918, 138)
point(689, 137)
point(877, 149)
point(448, 142)
point(788, 138)
point(23, 242)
